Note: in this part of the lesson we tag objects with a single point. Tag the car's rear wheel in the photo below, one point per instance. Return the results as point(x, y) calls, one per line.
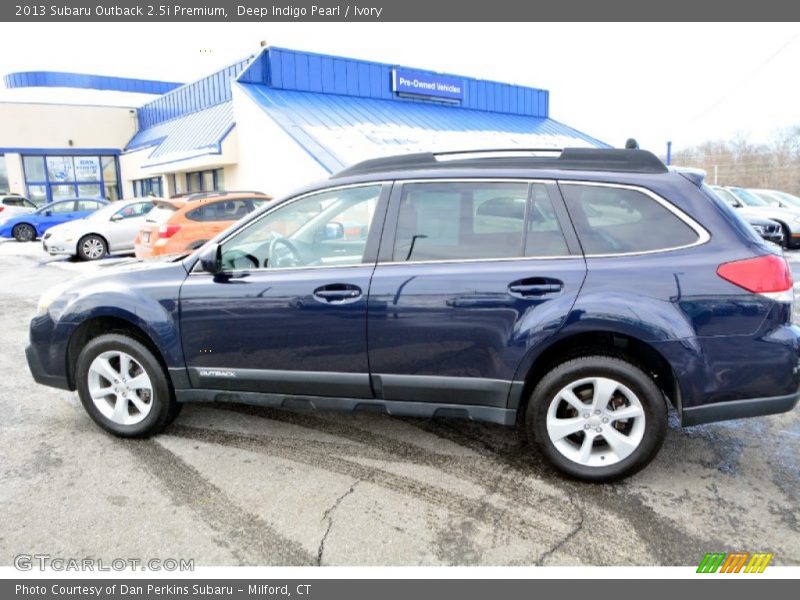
point(597, 418)
point(24, 232)
point(92, 247)
point(123, 386)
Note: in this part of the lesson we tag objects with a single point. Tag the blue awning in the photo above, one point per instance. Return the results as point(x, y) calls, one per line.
point(339, 130)
point(189, 136)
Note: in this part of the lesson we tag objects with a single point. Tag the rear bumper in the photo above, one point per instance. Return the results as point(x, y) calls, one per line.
point(738, 409)
point(39, 373)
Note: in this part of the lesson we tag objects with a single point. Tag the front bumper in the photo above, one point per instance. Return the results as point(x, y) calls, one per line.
point(39, 373)
point(54, 247)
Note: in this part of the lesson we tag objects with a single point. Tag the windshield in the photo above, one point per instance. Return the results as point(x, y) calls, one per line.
point(748, 198)
point(160, 213)
point(792, 201)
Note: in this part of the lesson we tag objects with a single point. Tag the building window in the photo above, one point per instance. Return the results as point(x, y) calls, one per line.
point(205, 181)
point(54, 177)
point(147, 187)
point(3, 175)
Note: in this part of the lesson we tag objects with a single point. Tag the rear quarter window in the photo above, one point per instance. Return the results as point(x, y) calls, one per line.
point(614, 220)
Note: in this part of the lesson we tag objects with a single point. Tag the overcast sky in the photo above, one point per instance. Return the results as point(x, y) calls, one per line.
point(682, 82)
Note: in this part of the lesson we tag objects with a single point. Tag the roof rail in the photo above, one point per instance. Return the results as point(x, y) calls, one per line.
point(574, 159)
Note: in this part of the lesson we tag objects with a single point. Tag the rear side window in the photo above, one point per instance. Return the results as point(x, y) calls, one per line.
point(612, 220)
point(82, 205)
point(475, 220)
point(226, 210)
point(14, 202)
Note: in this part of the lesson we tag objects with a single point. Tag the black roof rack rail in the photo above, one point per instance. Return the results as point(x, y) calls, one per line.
point(573, 159)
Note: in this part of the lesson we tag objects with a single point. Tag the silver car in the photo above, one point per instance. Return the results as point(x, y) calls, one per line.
point(751, 205)
point(110, 230)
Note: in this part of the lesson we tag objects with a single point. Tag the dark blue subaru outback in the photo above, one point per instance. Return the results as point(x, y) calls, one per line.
point(574, 293)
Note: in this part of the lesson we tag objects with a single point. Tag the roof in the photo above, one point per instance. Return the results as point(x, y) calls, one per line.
point(340, 130)
point(188, 136)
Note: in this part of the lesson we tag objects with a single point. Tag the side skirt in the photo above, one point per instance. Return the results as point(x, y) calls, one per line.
point(500, 416)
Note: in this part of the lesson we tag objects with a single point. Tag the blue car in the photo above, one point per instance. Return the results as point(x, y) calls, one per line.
point(575, 295)
point(26, 228)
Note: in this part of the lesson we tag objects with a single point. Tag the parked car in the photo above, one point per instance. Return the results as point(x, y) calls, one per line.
point(186, 223)
point(767, 228)
point(28, 227)
point(576, 295)
point(777, 198)
point(109, 230)
point(12, 205)
point(751, 205)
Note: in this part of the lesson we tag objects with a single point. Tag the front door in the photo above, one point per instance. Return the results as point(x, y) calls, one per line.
point(288, 313)
point(473, 275)
point(124, 224)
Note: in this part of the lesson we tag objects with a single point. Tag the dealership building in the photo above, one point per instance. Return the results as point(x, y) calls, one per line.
point(271, 122)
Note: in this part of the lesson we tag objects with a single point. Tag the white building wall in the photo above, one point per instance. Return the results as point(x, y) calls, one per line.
point(24, 125)
point(269, 160)
point(16, 176)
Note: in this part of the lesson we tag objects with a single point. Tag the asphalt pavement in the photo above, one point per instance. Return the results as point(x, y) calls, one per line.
point(236, 485)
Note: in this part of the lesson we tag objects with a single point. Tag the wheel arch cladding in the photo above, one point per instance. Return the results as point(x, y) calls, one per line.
point(118, 322)
point(619, 345)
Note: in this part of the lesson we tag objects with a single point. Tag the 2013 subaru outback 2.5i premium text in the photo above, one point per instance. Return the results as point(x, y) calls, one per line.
point(575, 294)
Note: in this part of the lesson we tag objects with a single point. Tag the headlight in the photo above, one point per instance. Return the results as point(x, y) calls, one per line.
point(54, 300)
point(759, 229)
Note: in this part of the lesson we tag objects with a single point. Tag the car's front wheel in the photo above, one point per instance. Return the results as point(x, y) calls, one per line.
point(597, 418)
point(123, 386)
point(92, 247)
point(24, 232)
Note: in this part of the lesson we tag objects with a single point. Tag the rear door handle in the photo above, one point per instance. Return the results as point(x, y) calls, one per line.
point(337, 293)
point(535, 286)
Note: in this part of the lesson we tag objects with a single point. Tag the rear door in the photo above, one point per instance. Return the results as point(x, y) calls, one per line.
point(471, 276)
point(125, 224)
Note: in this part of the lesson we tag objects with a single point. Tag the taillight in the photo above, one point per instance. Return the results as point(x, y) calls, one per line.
point(2, 208)
point(166, 231)
point(767, 275)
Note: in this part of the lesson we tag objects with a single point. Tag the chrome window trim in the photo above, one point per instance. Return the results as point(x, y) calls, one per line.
point(280, 205)
point(702, 234)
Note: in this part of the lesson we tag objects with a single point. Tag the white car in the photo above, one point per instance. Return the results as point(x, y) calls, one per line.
point(751, 205)
point(13, 205)
point(109, 230)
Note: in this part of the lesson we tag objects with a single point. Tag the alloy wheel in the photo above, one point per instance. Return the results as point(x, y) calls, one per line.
point(93, 248)
point(596, 421)
point(120, 388)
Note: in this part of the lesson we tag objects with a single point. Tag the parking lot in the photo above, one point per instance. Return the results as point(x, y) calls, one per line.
point(230, 485)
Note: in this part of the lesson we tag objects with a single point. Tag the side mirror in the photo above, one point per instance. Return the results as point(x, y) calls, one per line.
point(211, 258)
point(115, 218)
point(334, 231)
point(48, 213)
point(775, 204)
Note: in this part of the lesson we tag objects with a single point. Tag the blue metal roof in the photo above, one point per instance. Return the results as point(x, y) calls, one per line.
point(87, 81)
point(339, 130)
point(189, 136)
point(192, 97)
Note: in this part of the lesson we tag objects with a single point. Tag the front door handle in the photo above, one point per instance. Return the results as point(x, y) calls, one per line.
point(337, 293)
point(534, 287)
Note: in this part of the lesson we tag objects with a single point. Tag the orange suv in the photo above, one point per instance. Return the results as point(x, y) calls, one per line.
point(185, 223)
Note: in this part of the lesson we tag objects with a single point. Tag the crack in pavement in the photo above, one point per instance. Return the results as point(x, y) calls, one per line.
point(327, 515)
point(575, 531)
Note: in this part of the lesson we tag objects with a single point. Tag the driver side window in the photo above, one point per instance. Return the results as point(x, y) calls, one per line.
point(326, 228)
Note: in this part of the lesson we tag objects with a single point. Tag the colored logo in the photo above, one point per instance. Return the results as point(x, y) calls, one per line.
point(735, 562)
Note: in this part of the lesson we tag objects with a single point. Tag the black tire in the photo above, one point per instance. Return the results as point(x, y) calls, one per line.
point(629, 375)
point(163, 410)
point(787, 237)
point(92, 247)
point(23, 232)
